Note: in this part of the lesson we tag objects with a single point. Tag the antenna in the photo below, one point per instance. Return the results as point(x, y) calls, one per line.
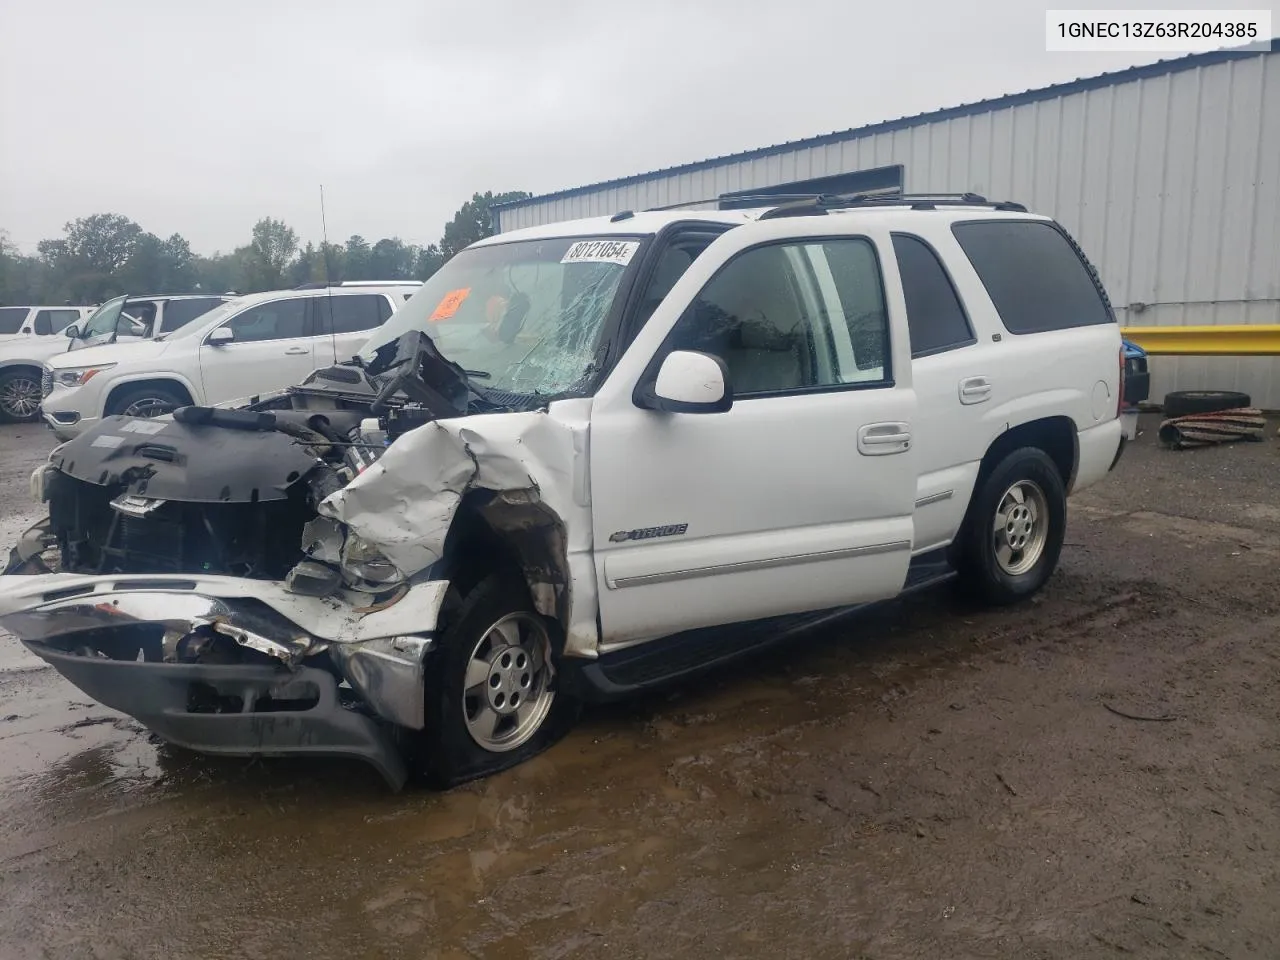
point(328, 281)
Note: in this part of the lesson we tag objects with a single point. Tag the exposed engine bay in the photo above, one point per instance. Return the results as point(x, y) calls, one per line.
point(231, 491)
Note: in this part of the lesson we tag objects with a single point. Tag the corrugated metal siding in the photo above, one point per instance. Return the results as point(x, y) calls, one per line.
point(1171, 184)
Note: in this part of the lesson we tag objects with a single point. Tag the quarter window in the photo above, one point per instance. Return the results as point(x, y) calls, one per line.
point(49, 322)
point(278, 320)
point(794, 316)
point(351, 313)
point(1034, 275)
point(934, 315)
point(11, 319)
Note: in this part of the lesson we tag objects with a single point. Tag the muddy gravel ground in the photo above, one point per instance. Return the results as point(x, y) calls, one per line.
point(929, 780)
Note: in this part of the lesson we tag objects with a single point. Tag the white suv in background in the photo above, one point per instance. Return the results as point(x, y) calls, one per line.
point(250, 345)
point(122, 319)
point(21, 322)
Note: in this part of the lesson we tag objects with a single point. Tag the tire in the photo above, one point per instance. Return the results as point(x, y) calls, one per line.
point(1026, 489)
point(453, 746)
point(1181, 403)
point(148, 402)
point(20, 396)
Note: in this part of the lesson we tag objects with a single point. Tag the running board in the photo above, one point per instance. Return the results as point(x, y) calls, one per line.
point(682, 656)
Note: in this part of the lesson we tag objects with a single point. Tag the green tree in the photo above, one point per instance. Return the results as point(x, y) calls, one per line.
point(356, 260)
point(392, 259)
point(273, 245)
point(302, 269)
point(331, 264)
point(84, 265)
point(473, 221)
point(429, 260)
point(22, 278)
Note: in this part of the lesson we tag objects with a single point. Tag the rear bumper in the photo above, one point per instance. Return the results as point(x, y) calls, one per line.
point(235, 710)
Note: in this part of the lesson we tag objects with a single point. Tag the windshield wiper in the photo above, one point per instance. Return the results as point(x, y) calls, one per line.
point(478, 374)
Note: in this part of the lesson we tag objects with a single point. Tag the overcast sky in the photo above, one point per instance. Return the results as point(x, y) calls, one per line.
point(200, 116)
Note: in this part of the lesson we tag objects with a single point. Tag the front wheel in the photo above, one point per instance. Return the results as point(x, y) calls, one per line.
point(148, 402)
point(491, 688)
point(20, 396)
point(1015, 527)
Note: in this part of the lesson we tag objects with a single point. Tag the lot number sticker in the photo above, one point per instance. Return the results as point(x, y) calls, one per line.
point(449, 304)
point(602, 251)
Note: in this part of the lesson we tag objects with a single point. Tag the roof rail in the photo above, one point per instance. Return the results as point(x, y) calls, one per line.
point(819, 205)
point(320, 284)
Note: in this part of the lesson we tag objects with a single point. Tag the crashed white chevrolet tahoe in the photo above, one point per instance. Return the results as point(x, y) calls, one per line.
point(584, 459)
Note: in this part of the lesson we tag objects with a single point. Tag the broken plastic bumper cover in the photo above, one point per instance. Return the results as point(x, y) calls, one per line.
point(124, 640)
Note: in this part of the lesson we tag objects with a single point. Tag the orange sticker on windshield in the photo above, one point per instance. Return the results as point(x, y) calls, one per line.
point(449, 304)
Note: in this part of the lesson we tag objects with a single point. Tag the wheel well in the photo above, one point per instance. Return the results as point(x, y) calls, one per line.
point(1056, 436)
point(26, 368)
point(513, 531)
point(113, 398)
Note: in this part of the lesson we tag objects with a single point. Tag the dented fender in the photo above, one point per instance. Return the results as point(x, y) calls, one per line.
point(406, 502)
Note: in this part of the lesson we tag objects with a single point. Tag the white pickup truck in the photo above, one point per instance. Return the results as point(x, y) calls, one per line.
point(584, 459)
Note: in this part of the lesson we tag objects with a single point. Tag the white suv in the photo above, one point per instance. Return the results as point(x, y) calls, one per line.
point(585, 459)
point(21, 322)
point(249, 345)
point(64, 329)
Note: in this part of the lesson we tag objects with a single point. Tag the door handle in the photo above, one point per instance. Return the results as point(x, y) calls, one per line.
point(975, 389)
point(297, 351)
point(880, 439)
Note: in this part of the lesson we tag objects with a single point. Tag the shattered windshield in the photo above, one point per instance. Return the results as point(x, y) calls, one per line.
point(524, 317)
point(103, 320)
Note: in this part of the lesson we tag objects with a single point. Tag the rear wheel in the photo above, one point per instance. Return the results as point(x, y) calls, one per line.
point(1015, 527)
point(491, 689)
point(20, 396)
point(148, 402)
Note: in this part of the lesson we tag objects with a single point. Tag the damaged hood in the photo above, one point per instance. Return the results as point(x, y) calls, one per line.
point(167, 460)
point(406, 501)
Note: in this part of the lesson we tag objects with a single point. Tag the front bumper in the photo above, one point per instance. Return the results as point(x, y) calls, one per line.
point(63, 425)
point(128, 642)
point(217, 708)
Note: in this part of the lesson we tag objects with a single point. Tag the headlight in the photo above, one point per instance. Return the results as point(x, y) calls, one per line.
point(79, 376)
point(362, 561)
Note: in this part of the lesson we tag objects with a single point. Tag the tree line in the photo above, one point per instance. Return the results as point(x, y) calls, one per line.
point(107, 254)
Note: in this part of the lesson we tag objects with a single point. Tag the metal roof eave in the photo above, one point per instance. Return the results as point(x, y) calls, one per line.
point(1142, 72)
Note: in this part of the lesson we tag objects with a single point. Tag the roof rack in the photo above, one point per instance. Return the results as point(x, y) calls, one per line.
point(817, 206)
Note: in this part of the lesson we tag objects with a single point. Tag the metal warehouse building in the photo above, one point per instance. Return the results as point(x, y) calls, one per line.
point(1167, 174)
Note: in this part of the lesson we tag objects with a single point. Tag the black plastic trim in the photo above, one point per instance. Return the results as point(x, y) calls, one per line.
point(685, 655)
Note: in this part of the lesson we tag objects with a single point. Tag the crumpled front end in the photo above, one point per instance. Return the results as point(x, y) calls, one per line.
point(254, 583)
point(231, 666)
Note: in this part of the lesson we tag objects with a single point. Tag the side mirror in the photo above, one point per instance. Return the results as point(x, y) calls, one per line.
point(221, 337)
point(688, 382)
point(72, 331)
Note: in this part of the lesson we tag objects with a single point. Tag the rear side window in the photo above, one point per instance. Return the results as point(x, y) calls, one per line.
point(276, 320)
point(49, 322)
point(351, 313)
point(11, 319)
point(178, 313)
point(1035, 277)
point(935, 318)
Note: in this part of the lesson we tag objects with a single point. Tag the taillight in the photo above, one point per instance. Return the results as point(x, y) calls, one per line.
point(1120, 392)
